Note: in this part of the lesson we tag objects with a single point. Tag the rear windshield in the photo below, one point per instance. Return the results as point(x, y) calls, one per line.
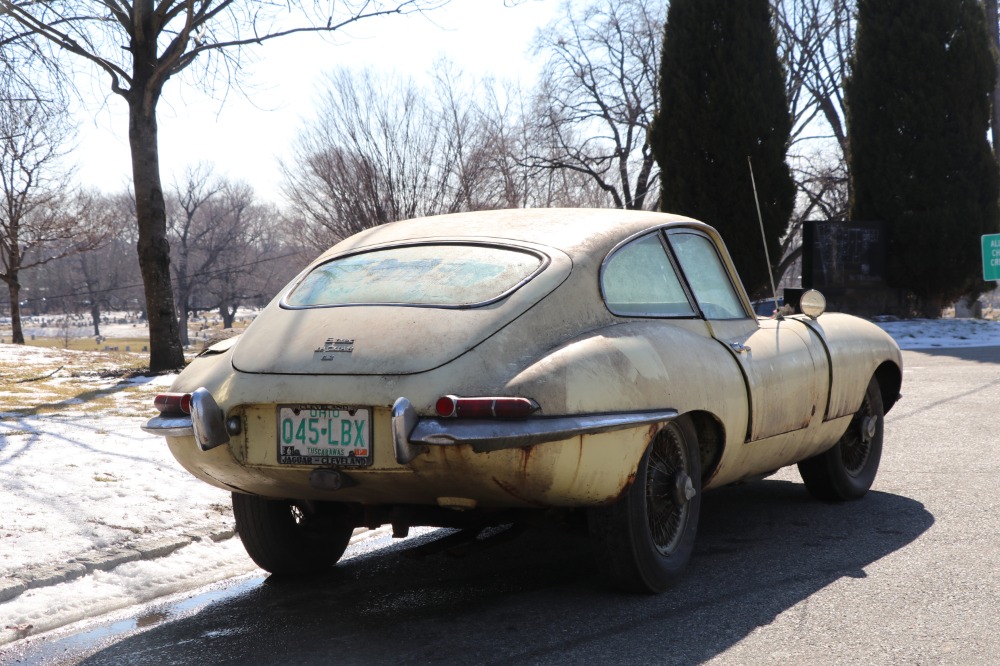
point(444, 275)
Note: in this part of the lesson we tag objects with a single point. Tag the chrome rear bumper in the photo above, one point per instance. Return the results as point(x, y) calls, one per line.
point(411, 434)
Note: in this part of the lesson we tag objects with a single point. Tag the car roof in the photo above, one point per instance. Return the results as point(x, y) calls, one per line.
point(572, 230)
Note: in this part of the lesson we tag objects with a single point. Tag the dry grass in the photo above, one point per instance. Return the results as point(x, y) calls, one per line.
point(79, 337)
point(88, 344)
point(39, 380)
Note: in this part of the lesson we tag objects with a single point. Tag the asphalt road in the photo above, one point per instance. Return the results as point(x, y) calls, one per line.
point(907, 575)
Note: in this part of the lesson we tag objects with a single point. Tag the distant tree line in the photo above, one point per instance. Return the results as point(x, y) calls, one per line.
point(229, 250)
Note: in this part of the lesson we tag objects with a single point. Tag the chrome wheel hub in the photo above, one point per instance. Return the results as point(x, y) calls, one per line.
point(683, 488)
point(868, 428)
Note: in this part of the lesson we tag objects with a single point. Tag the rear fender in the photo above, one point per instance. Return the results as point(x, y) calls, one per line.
point(639, 366)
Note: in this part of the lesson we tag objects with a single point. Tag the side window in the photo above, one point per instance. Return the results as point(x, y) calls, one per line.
point(639, 280)
point(707, 276)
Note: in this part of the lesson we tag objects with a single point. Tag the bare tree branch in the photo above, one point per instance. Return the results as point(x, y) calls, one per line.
point(600, 93)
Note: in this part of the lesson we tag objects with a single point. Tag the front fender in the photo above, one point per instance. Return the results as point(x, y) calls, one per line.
point(858, 349)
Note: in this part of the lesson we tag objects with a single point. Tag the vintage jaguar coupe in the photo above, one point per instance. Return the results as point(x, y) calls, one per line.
point(464, 369)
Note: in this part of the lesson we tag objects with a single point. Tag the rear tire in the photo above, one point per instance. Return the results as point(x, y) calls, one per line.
point(848, 470)
point(291, 538)
point(645, 540)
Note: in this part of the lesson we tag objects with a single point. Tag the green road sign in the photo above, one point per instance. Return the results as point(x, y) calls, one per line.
point(991, 257)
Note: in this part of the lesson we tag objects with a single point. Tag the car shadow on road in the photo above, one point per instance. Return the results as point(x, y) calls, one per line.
point(763, 548)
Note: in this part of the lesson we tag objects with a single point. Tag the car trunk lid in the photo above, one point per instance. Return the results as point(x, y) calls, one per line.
point(382, 339)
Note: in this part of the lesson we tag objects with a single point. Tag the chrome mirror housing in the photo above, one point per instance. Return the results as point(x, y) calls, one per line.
point(812, 303)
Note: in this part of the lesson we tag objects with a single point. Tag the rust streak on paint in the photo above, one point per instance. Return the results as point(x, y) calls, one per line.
point(614, 499)
point(525, 453)
point(513, 492)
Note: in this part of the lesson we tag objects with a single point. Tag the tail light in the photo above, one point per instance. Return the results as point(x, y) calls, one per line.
point(173, 403)
point(453, 406)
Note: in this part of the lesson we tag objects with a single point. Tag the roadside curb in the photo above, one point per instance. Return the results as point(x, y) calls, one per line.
point(12, 586)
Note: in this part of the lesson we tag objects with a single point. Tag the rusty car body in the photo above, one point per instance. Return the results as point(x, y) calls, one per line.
point(449, 370)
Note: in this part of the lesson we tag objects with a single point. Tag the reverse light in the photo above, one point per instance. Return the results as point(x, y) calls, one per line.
point(173, 403)
point(453, 406)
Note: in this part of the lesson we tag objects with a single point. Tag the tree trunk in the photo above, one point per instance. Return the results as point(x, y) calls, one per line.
point(15, 312)
point(95, 315)
point(182, 327)
point(992, 18)
point(165, 351)
point(183, 313)
point(228, 313)
point(182, 295)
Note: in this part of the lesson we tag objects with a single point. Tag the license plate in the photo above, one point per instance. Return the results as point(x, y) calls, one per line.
point(324, 435)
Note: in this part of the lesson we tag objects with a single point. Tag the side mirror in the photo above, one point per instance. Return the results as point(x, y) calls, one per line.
point(812, 303)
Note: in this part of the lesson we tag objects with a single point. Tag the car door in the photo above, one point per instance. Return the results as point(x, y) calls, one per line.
point(787, 375)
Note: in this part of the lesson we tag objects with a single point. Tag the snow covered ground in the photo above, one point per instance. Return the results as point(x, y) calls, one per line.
point(84, 488)
point(98, 515)
point(944, 333)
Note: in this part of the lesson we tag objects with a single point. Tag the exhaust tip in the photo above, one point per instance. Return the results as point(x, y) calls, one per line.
point(329, 479)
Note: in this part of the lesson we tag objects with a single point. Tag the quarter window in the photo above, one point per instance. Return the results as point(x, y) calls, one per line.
point(639, 280)
point(707, 276)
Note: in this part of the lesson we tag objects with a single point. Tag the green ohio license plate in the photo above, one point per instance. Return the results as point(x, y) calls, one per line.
point(324, 435)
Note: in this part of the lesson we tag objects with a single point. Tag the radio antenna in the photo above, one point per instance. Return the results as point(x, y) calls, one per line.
point(763, 237)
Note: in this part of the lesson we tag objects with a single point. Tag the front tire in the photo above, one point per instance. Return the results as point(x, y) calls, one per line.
point(645, 540)
point(290, 538)
point(848, 470)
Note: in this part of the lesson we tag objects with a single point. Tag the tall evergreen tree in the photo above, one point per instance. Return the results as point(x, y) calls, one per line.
point(722, 101)
point(918, 114)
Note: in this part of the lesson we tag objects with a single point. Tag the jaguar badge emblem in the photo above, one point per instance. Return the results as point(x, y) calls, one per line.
point(332, 346)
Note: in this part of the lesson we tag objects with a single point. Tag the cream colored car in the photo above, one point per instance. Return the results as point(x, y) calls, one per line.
point(459, 370)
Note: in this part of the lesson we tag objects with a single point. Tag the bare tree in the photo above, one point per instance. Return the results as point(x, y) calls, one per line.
point(383, 149)
point(510, 133)
point(141, 45)
point(464, 145)
point(251, 271)
point(377, 152)
point(487, 129)
point(39, 221)
point(598, 95)
point(206, 217)
point(108, 274)
point(815, 43)
point(99, 279)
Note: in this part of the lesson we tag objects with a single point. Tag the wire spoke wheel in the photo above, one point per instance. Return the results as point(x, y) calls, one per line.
point(856, 445)
point(645, 540)
point(847, 470)
point(666, 503)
